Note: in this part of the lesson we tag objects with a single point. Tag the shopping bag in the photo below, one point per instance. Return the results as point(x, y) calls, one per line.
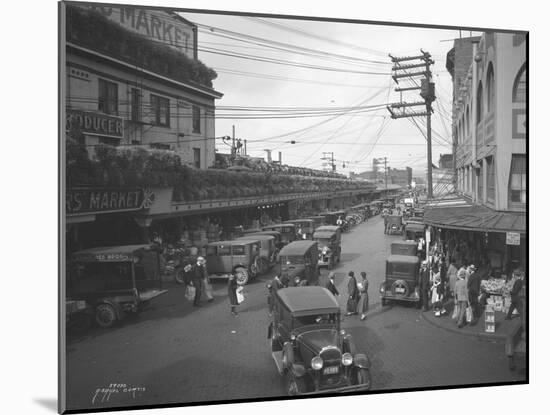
point(207, 289)
point(190, 292)
point(240, 294)
point(469, 314)
point(454, 316)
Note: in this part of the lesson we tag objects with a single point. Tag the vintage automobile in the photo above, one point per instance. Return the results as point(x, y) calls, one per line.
point(114, 281)
point(404, 248)
point(395, 225)
point(298, 263)
point(332, 217)
point(277, 235)
point(414, 231)
point(329, 240)
point(287, 231)
point(304, 228)
point(402, 279)
point(238, 257)
point(317, 221)
point(309, 347)
point(268, 251)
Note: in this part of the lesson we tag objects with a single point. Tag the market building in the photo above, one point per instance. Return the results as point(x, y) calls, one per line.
point(488, 210)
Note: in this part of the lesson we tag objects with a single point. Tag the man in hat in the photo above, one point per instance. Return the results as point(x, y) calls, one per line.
point(331, 286)
point(461, 297)
point(424, 284)
point(517, 302)
point(353, 293)
point(198, 274)
point(474, 285)
point(363, 286)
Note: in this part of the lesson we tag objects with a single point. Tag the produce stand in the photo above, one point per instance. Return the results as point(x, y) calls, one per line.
point(497, 293)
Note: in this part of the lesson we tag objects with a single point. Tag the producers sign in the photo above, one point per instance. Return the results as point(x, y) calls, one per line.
point(104, 200)
point(94, 123)
point(512, 238)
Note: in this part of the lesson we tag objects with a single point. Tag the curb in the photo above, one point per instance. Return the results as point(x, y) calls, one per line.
point(480, 335)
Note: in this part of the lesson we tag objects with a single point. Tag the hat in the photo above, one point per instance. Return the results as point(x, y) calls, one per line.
point(351, 274)
point(425, 262)
point(461, 274)
point(201, 259)
point(363, 274)
point(331, 274)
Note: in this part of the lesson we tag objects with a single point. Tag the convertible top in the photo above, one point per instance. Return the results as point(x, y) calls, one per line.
point(404, 259)
point(308, 300)
point(297, 247)
point(414, 226)
point(327, 228)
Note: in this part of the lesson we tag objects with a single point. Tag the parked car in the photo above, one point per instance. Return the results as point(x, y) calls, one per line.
point(329, 241)
point(309, 347)
point(414, 231)
point(277, 235)
point(402, 279)
point(239, 257)
point(114, 281)
point(395, 225)
point(287, 230)
point(268, 251)
point(304, 228)
point(317, 221)
point(298, 263)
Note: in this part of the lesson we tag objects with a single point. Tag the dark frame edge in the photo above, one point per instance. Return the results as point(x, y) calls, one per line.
point(61, 305)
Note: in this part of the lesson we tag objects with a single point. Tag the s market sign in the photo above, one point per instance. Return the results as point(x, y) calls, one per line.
point(107, 200)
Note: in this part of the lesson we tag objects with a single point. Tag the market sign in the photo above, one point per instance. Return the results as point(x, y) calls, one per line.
point(94, 123)
point(106, 200)
point(157, 25)
point(512, 238)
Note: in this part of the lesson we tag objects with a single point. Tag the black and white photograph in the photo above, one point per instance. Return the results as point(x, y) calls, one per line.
point(271, 207)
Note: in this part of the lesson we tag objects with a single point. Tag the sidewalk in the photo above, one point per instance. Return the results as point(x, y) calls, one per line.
point(505, 330)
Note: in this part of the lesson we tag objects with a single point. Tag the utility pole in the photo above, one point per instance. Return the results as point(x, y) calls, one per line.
point(233, 148)
point(427, 92)
point(326, 158)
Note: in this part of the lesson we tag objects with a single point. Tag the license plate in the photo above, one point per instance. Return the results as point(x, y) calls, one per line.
point(331, 370)
point(400, 290)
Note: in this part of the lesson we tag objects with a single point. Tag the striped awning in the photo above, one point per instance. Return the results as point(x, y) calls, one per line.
point(458, 213)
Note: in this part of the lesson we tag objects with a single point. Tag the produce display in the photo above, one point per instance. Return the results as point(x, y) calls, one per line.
point(493, 285)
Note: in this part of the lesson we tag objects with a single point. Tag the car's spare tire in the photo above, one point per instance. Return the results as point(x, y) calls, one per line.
point(400, 288)
point(241, 275)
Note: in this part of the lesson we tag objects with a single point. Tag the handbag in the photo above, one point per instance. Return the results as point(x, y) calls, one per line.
point(208, 289)
point(469, 314)
point(190, 292)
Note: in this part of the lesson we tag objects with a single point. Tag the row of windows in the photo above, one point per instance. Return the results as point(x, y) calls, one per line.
point(160, 106)
point(517, 186)
point(485, 102)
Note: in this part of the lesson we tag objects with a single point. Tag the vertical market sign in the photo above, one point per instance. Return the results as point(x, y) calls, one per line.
point(82, 201)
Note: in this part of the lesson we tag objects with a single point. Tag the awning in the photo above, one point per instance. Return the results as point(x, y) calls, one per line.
point(461, 214)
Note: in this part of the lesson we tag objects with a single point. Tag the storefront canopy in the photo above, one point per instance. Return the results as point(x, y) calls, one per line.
point(460, 214)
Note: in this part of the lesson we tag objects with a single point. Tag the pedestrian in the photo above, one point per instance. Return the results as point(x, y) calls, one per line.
point(385, 223)
point(273, 287)
point(353, 294)
point(198, 275)
point(461, 297)
point(517, 302)
point(364, 292)
point(232, 287)
point(437, 296)
point(474, 285)
point(424, 285)
point(451, 276)
point(331, 286)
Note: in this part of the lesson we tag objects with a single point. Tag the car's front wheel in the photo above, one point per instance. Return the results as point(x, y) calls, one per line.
point(363, 377)
point(105, 315)
point(295, 386)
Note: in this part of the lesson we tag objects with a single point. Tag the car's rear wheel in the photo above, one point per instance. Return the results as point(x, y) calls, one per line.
point(363, 377)
point(105, 315)
point(241, 274)
point(180, 276)
point(294, 385)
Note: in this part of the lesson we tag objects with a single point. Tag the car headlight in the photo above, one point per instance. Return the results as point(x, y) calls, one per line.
point(347, 359)
point(325, 250)
point(317, 363)
point(382, 289)
point(297, 280)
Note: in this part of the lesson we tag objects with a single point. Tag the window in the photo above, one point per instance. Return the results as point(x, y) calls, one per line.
point(160, 108)
point(490, 88)
point(197, 157)
point(480, 183)
point(135, 105)
point(224, 250)
point(108, 97)
point(518, 180)
point(519, 91)
point(490, 179)
point(467, 121)
point(196, 119)
point(239, 250)
point(479, 102)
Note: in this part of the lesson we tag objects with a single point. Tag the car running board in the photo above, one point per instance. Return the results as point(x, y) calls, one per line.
point(278, 357)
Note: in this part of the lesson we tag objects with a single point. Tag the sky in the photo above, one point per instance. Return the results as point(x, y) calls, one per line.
point(348, 65)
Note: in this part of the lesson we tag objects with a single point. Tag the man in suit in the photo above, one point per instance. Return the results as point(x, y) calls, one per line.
point(331, 286)
point(353, 292)
point(517, 301)
point(199, 273)
point(424, 285)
